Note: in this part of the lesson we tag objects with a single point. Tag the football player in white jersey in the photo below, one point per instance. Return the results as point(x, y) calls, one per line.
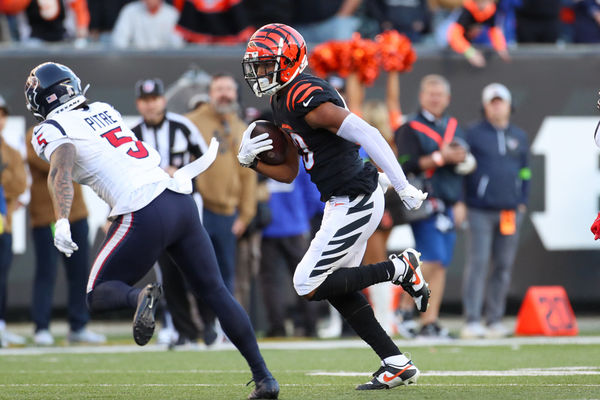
point(151, 212)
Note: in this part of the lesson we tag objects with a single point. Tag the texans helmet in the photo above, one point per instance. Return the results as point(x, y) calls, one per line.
point(52, 88)
point(281, 51)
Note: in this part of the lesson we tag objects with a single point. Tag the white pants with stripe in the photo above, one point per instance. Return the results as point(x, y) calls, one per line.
point(342, 239)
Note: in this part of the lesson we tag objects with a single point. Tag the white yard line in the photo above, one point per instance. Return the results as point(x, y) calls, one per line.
point(554, 371)
point(174, 385)
point(307, 345)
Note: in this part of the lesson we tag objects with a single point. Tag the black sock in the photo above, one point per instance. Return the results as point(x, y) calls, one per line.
point(355, 308)
point(347, 280)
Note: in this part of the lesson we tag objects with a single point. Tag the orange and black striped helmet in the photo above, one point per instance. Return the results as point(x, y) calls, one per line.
point(280, 51)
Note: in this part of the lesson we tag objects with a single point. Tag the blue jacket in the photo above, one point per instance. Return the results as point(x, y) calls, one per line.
point(501, 179)
point(292, 206)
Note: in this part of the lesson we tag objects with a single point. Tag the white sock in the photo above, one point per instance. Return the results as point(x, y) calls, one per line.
point(398, 261)
point(398, 360)
point(2, 325)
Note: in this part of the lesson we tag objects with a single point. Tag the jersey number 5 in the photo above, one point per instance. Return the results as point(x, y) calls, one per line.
point(139, 152)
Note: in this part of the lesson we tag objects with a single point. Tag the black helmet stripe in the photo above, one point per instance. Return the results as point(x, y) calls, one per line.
point(264, 46)
point(288, 33)
point(281, 31)
point(266, 37)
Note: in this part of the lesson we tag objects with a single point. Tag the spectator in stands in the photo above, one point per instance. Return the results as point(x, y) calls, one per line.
point(47, 23)
point(476, 15)
point(13, 180)
point(178, 142)
point(146, 24)
point(586, 28)
point(41, 213)
point(410, 18)
point(496, 197)
point(213, 21)
point(103, 16)
point(261, 12)
point(319, 21)
point(538, 21)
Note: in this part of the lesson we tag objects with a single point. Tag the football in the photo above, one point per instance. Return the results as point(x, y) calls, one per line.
point(276, 155)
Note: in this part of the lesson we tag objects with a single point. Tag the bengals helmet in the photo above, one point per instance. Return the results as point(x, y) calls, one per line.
point(281, 51)
point(52, 88)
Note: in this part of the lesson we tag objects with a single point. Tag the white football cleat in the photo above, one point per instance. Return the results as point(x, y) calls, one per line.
point(389, 376)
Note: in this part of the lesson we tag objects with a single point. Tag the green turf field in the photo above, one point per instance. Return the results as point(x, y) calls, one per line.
point(513, 371)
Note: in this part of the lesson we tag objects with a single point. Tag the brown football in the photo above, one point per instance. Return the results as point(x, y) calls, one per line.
point(276, 155)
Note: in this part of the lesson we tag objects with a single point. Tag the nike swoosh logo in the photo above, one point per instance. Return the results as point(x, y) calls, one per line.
point(305, 103)
point(338, 204)
point(417, 279)
point(387, 378)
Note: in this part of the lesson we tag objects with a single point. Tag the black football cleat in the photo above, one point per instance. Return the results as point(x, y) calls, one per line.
point(143, 320)
point(266, 388)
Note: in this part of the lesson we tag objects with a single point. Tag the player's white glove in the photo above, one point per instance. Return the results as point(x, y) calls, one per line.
point(62, 237)
point(411, 197)
point(251, 147)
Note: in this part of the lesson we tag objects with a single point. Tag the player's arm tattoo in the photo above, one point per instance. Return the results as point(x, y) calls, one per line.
point(60, 181)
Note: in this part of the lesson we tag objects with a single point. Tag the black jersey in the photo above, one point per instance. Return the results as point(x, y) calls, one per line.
point(332, 162)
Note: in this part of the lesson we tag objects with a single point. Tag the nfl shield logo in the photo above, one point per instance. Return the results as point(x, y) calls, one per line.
point(51, 98)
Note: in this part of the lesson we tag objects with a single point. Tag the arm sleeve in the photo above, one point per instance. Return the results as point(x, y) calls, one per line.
point(82, 13)
point(356, 130)
point(408, 149)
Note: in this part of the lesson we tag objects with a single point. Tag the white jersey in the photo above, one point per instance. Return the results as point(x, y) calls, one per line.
point(122, 171)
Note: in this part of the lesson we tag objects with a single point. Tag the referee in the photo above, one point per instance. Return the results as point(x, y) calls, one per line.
point(178, 142)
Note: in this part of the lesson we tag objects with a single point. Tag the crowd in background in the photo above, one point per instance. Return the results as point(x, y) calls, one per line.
point(256, 226)
point(261, 228)
point(152, 24)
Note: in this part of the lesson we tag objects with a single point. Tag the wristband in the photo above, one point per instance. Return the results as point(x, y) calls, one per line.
point(469, 52)
point(437, 158)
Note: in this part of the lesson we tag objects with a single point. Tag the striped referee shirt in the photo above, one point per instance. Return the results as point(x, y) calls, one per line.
point(176, 139)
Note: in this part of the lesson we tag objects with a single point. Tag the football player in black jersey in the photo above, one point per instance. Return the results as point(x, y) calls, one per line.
point(320, 128)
